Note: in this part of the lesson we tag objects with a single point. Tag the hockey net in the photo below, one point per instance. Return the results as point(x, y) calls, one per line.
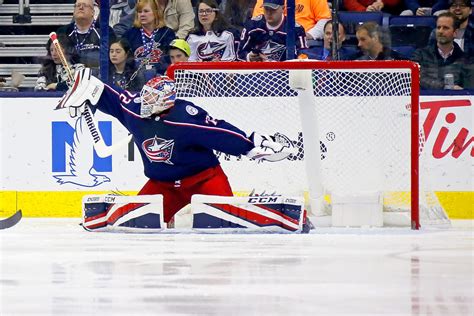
point(368, 130)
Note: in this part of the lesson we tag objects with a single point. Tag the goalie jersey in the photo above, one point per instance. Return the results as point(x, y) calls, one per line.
point(178, 142)
point(258, 37)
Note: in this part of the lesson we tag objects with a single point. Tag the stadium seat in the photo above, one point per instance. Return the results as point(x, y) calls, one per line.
point(352, 19)
point(405, 51)
point(411, 30)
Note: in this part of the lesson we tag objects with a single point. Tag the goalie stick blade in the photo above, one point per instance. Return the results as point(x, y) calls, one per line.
point(11, 221)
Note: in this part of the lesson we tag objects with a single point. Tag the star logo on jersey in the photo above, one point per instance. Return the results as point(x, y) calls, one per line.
point(273, 51)
point(211, 50)
point(158, 149)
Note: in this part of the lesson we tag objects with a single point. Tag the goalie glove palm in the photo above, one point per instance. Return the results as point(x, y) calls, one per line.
point(85, 89)
point(270, 148)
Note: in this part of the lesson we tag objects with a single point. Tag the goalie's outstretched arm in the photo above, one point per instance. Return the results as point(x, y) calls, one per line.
point(222, 136)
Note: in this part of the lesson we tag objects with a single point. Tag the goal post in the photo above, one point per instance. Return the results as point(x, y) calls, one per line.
point(355, 125)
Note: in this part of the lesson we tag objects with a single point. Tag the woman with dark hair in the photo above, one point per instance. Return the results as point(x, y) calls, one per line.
point(52, 75)
point(123, 72)
point(213, 38)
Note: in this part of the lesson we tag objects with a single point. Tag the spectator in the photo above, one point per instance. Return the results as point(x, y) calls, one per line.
point(213, 39)
point(373, 43)
point(118, 9)
point(424, 7)
point(179, 51)
point(264, 37)
point(310, 14)
point(149, 37)
point(394, 7)
point(84, 34)
point(178, 15)
point(238, 12)
point(122, 70)
point(52, 75)
point(324, 53)
point(462, 9)
point(443, 58)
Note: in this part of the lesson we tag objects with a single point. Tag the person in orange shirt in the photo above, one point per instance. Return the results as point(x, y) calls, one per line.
point(310, 14)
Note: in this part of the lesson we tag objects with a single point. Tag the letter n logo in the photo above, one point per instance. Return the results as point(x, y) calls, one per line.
point(62, 134)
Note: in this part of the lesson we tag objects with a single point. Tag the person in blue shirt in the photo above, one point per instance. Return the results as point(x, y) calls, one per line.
point(149, 38)
point(175, 137)
point(264, 37)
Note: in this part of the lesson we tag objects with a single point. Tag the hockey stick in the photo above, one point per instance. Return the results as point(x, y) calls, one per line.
point(11, 221)
point(100, 147)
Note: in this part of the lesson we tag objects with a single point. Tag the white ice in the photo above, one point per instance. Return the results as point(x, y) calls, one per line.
point(54, 267)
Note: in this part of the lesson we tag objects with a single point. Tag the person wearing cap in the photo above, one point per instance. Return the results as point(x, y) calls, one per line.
point(310, 14)
point(444, 57)
point(213, 39)
point(462, 9)
point(263, 38)
point(179, 51)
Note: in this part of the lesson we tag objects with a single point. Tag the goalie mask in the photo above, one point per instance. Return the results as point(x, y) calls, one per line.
point(157, 95)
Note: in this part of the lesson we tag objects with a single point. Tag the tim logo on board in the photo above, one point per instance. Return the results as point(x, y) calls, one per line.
point(74, 161)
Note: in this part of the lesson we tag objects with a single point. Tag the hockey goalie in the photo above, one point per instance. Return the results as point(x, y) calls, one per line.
point(176, 140)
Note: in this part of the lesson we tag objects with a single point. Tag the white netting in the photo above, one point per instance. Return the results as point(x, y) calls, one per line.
point(364, 124)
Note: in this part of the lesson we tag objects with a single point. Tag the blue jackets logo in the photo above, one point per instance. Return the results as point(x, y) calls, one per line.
point(158, 149)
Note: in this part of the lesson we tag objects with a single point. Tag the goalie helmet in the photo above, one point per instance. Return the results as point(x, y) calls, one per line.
point(157, 95)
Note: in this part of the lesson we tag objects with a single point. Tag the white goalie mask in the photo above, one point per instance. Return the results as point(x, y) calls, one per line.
point(157, 95)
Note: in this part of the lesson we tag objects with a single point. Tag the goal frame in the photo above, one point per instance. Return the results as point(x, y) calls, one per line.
point(340, 65)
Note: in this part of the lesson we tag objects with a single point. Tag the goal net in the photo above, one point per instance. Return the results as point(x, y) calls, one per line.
point(352, 125)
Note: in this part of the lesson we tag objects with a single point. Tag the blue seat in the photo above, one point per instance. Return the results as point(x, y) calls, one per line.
point(405, 51)
point(352, 18)
point(412, 20)
point(411, 30)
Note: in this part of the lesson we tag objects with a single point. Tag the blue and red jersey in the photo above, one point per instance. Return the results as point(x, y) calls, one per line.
point(258, 37)
point(177, 143)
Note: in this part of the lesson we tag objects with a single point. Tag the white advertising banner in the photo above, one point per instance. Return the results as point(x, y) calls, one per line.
point(46, 150)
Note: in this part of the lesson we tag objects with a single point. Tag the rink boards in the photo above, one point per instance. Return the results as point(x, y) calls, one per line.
point(37, 145)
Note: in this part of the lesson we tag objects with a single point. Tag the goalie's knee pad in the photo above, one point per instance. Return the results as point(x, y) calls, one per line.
point(143, 213)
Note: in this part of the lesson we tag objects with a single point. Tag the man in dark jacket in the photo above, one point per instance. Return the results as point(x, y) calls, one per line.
point(373, 43)
point(462, 9)
point(444, 59)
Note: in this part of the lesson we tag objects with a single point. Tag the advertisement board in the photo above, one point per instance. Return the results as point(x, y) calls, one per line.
point(48, 162)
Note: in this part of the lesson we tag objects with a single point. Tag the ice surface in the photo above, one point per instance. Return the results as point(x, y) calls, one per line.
point(54, 267)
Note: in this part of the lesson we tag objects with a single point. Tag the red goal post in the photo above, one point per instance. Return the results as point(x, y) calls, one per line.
point(243, 91)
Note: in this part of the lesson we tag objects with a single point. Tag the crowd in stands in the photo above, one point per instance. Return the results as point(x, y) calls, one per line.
point(146, 36)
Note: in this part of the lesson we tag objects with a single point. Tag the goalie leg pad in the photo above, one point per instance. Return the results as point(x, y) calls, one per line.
point(254, 214)
point(123, 213)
